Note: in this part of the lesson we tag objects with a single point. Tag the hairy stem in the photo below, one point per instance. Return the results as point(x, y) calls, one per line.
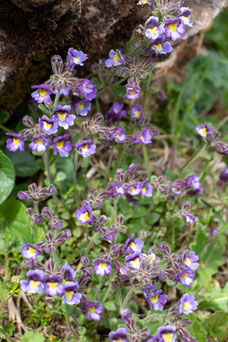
point(128, 297)
point(47, 167)
point(147, 160)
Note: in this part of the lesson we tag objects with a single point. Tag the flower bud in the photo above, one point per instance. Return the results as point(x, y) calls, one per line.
point(131, 169)
point(47, 213)
point(85, 261)
point(144, 333)
point(24, 195)
point(85, 276)
point(50, 266)
point(28, 121)
point(164, 248)
point(57, 64)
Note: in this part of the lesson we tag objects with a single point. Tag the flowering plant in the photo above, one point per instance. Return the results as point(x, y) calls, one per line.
point(114, 266)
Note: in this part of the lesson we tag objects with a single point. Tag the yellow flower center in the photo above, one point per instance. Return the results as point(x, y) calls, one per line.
point(141, 137)
point(84, 148)
point(102, 264)
point(119, 340)
point(16, 141)
point(168, 337)
point(158, 47)
point(184, 276)
point(42, 92)
point(85, 217)
point(60, 144)
point(144, 1)
point(132, 91)
point(132, 189)
point(52, 285)
point(76, 60)
point(187, 261)
point(62, 116)
point(143, 190)
point(81, 105)
point(34, 284)
point(47, 125)
point(91, 309)
point(137, 113)
point(203, 132)
point(153, 31)
point(154, 299)
point(186, 306)
point(135, 263)
point(132, 245)
point(69, 295)
point(116, 57)
point(186, 20)
point(32, 250)
point(173, 27)
point(38, 141)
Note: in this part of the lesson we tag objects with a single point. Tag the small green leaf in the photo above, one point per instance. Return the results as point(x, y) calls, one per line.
point(97, 83)
point(7, 176)
point(138, 211)
point(110, 306)
point(118, 91)
point(43, 109)
point(33, 336)
point(3, 292)
point(24, 163)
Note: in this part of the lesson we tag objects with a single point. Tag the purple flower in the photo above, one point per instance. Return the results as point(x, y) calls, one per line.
point(82, 107)
point(154, 297)
point(93, 310)
point(62, 116)
point(69, 274)
point(132, 92)
point(120, 335)
point(42, 94)
point(167, 333)
point(64, 91)
point(69, 295)
point(133, 260)
point(136, 112)
point(155, 338)
point(193, 181)
point(102, 267)
point(84, 214)
point(86, 148)
point(35, 283)
point(62, 145)
point(115, 58)
point(190, 259)
point(153, 29)
point(224, 175)
point(176, 189)
point(115, 113)
point(119, 135)
point(186, 277)
point(174, 29)
point(144, 137)
point(146, 191)
point(30, 251)
point(133, 189)
point(52, 286)
point(187, 304)
point(204, 130)
point(86, 89)
point(159, 46)
point(75, 57)
point(117, 189)
point(39, 144)
point(188, 218)
point(185, 16)
point(48, 126)
point(133, 247)
point(144, 2)
point(16, 143)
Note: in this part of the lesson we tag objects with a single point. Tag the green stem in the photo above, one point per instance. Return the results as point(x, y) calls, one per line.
point(98, 107)
point(69, 326)
point(147, 160)
point(89, 247)
point(57, 96)
point(47, 167)
point(34, 233)
point(114, 211)
point(6, 129)
point(110, 159)
point(102, 280)
point(75, 177)
point(194, 157)
point(128, 297)
point(107, 292)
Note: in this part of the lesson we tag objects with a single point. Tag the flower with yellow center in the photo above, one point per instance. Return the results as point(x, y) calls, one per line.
point(186, 306)
point(173, 27)
point(42, 92)
point(60, 144)
point(153, 31)
point(154, 299)
point(34, 284)
point(62, 116)
point(47, 125)
point(168, 337)
point(187, 261)
point(158, 47)
point(91, 309)
point(69, 295)
point(52, 286)
point(85, 217)
point(32, 251)
point(203, 132)
point(116, 57)
point(81, 105)
point(16, 141)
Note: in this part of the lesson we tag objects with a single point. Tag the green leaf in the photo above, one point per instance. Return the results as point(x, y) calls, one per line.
point(118, 91)
point(3, 292)
point(24, 163)
point(33, 336)
point(4, 116)
point(13, 217)
point(215, 300)
point(197, 330)
point(43, 109)
point(110, 306)
point(7, 176)
point(216, 325)
point(97, 83)
point(138, 211)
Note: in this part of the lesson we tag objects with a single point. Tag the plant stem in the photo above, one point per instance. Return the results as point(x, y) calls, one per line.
point(99, 287)
point(69, 326)
point(151, 203)
point(75, 177)
point(89, 247)
point(128, 297)
point(5, 129)
point(114, 211)
point(194, 157)
point(107, 292)
point(147, 160)
point(56, 98)
point(47, 167)
point(110, 160)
